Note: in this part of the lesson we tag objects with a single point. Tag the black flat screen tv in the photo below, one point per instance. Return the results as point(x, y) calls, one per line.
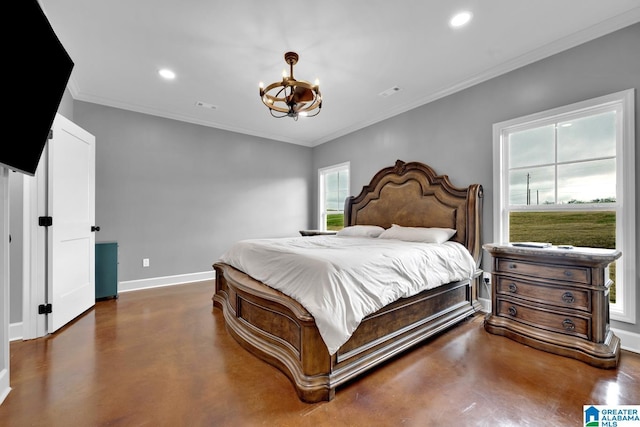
point(38, 69)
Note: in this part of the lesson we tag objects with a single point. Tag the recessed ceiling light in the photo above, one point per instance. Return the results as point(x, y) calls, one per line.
point(460, 19)
point(167, 74)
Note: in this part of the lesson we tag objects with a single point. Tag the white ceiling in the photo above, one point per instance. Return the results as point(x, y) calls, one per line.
point(220, 50)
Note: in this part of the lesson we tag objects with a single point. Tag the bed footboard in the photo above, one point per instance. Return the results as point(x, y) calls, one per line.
point(280, 331)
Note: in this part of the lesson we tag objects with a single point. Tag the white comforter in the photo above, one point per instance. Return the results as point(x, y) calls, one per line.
point(340, 280)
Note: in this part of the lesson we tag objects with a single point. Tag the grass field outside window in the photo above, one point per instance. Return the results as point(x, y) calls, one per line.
point(335, 221)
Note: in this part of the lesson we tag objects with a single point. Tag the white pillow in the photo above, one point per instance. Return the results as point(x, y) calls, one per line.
point(418, 234)
point(361, 231)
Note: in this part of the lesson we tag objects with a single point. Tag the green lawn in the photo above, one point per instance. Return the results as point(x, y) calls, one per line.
point(592, 229)
point(335, 221)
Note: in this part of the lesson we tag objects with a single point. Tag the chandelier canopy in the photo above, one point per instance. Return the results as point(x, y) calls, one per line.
point(291, 97)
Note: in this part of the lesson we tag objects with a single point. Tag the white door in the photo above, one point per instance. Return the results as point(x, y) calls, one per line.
point(70, 239)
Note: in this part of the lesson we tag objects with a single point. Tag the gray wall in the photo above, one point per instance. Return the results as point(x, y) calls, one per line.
point(454, 134)
point(66, 105)
point(181, 194)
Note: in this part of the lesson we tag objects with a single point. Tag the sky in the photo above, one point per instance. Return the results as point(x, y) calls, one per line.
point(579, 158)
point(337, 190)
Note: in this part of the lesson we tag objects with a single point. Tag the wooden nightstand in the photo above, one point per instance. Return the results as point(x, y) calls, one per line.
point(317, 233)
point(556, 300)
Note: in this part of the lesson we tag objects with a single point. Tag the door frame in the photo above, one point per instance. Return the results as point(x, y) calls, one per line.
point(34, 204)
point(5, 386)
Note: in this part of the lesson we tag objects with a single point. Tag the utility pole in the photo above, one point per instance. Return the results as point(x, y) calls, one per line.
point(528, 190)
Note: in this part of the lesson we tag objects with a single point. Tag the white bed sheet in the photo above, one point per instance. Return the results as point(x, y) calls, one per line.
point(340, 280)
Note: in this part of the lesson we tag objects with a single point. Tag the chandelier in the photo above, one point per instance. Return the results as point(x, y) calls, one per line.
point(291, 97)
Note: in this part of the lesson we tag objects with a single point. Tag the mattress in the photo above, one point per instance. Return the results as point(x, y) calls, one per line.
point(342, 279)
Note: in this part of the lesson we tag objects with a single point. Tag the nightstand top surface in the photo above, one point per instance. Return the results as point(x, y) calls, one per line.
point(317, 233)
point(578, 252)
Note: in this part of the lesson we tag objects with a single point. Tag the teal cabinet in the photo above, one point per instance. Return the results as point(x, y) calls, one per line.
point(106, 270)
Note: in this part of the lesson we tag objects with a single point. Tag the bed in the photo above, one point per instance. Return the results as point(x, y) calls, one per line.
point(281, 331)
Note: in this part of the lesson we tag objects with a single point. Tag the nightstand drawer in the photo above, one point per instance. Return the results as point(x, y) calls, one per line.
point(556, 322)
point(562, 297)
point(544, 271)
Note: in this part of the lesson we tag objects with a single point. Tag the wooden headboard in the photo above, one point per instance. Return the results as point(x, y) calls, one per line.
point(412, 195)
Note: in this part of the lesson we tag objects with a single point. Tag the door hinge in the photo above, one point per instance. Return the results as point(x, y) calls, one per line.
point(45, 309)
point(50, 133)
point(45, 221)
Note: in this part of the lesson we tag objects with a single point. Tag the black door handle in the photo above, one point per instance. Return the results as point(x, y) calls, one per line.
point(94, 228)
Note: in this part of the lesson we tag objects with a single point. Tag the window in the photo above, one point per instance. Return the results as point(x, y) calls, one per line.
point(566, 176)
point(333, 183)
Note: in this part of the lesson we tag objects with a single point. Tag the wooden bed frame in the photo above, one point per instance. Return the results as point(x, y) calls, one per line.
point(280, 331)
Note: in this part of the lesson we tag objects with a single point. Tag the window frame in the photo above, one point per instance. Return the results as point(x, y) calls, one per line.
point(624, 309)
point(322, 212)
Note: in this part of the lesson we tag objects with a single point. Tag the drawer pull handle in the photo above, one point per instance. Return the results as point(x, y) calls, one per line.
point(568, 297)
point(568, 324)
point(513, 311)
point(513, 288)
point(568, 273)
point(513, 266)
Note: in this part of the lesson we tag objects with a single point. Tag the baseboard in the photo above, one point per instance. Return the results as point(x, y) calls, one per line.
point(156, 282)
point(486, 304)
point(628, 340)
point(15, 331)
point(4, 384)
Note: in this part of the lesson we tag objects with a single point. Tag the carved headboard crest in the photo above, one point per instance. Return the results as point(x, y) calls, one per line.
point(411, 194)
point(400, 167)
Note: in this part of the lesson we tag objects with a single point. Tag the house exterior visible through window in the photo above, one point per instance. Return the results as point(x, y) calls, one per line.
point(333, 185)
point(566, 177)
